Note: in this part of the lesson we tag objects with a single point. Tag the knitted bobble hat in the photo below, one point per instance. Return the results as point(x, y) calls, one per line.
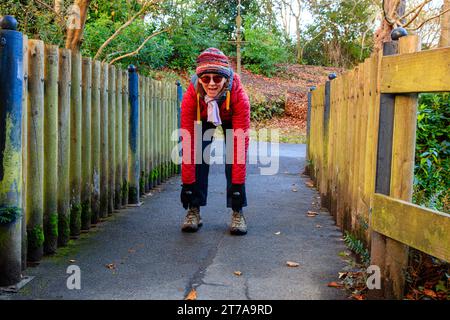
point(213, 60)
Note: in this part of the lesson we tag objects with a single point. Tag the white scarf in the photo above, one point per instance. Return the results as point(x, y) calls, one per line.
point(213, 111)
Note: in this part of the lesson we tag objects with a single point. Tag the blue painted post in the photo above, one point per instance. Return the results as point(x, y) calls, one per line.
point(133, 139)
point(11, 79)
point(179, 99)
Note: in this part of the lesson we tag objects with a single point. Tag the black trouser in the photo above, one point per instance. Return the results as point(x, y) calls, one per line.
point(202, 170)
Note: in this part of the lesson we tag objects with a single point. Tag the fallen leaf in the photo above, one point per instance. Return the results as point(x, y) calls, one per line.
point(429, 293)
point(72, 261)
point(238, 273)
point(344, 254)
point(191, 295)
point(292, 264)
point(318, 226)
point(278, 233)
point(309, 184)
point(335, 285)
point(341, 274)
point(358, 297)
point(111, 266)
point(312, 214)
point(294, 190)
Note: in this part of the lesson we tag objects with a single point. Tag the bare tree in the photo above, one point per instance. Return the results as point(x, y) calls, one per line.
point(295, 9)
point(444, 39)
point(392, 9)
point(59, 6)
point(77, 14)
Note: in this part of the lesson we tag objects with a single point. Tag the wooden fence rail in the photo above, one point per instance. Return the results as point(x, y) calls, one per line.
point(92, 139)
point(361, 147)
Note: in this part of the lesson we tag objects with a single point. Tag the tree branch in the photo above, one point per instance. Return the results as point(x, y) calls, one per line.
point(420, 6)
point(429, 19)
point(126, 24)
point(60, 18)
point(416, 14)
point(140, 47)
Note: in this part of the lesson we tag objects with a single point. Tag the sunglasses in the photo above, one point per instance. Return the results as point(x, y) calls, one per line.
point(207, 79)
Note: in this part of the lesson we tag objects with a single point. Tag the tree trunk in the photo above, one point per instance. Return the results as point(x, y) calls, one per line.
point(75, 26)
point(59, 6)
point(383, 34)
point(299, 40)
point(444, 40)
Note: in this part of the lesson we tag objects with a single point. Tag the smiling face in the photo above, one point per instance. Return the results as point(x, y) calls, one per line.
point(211, 84)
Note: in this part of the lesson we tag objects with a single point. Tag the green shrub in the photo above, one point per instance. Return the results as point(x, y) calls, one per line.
point(263, 107)
point(432, 168)
point(264, 49)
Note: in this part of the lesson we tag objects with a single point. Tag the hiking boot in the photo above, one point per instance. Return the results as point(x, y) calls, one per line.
point(192, 221)
point(238, 224)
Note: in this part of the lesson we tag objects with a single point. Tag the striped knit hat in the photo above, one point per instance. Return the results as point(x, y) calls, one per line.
point(213, 60)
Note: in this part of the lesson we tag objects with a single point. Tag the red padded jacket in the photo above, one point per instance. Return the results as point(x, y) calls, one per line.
point(238, 113)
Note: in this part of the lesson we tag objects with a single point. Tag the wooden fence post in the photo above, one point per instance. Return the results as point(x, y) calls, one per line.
point(11, 90)
point(95, 142)
point(65, 77)
point(111, 137)
point(141, 135)
point(150, 132)
point(118, 131)
point(179, 99)
point(154, 135)
point(51, 149)
point(396, 177)
point(75, 146)
point(86, 158)
point(133, 142)
point(125, 125)
point(35, 166)
point(104, 152)
point(147, 135)
point(24, 150)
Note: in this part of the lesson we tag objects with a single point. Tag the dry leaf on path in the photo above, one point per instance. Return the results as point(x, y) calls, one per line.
point(191, 295)
point(309, 184)
point(312, 214)
point(72, 261)
point(111, 266)
point(294, 190)
point(335, 285)
point(238, 273)
point(278, 233)
point(429, 293)
point(292, 264)
point(318, 226)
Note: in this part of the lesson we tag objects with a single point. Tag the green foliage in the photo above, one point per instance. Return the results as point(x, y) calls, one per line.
point(264, 49)
point(53, 224)
point(357, 246)
point(432, 168)
point(9, 214)
point(341, 33)
point(35, 237)
point(133, 195)
point(125, 189)
point(35, 20)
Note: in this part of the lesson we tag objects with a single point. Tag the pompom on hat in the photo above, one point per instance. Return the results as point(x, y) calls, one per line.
point(213, 60)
